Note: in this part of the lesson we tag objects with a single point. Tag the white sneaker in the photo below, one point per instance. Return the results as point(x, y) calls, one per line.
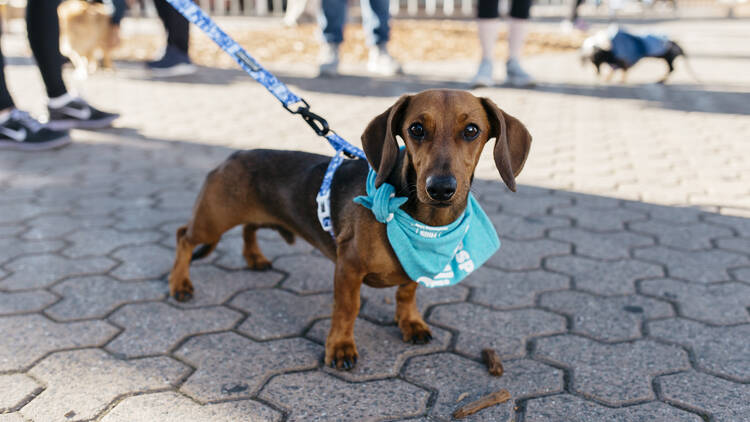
point(516, 76)
point(329, 60)
point(382, 63)
point(483, 77)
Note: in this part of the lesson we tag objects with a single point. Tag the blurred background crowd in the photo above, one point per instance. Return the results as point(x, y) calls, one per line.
point(384, 34)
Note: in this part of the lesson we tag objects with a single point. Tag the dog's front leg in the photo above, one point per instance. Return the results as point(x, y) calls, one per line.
point(409, 320)
point(341, 352)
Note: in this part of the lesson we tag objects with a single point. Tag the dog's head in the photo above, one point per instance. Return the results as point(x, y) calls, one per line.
point(444, 132)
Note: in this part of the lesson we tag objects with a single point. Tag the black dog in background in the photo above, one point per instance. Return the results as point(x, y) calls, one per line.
point(621, 50)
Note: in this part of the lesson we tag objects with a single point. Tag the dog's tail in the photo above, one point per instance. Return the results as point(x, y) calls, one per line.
point(202, 251)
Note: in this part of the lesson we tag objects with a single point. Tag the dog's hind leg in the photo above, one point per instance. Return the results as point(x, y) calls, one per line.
point(251, 251)
point(409, 320)
point(180, 286)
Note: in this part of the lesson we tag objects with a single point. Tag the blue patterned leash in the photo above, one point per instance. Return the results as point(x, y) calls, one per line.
point(291, 102)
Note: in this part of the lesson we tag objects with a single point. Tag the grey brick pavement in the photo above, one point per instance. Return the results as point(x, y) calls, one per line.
point(621, 291)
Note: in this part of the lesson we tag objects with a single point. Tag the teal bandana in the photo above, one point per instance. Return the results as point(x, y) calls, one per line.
point(432, 256)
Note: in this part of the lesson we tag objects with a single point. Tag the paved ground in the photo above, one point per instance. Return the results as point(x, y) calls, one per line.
point(621, 291)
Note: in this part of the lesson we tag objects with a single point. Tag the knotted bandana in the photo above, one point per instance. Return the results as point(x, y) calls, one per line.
point(432, 256)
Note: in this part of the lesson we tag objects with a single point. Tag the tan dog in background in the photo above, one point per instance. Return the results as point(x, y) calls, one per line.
point(86, 35)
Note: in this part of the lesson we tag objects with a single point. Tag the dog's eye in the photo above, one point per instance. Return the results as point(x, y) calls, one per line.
point(471, 132)
point(416, 130)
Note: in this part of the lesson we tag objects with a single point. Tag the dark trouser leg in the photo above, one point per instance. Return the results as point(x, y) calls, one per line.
point(43, 27)
point(520, 9)
point(178, 28)
point(5, 100)
point(488, 9)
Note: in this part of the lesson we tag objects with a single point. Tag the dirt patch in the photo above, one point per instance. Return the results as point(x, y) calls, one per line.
point(411, 40)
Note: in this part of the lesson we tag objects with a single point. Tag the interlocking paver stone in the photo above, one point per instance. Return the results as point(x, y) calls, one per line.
point(676, 215)
point(148, 218)
point(452, 376)
point(734, 244)
point(512, 289)
point(380, 304)
point(725, 303)
point(103, 241)
point(37, 271)
point(12, 248)
point(742, 274)
point(606, 319)
point(55, 226)
point(721, 350)
point(214, 286)
point(701, 266)
point(307, 273)
point(525, 227)
point(172, 407)
point(320, 397)
point(231, 366)
point(96, 296)
point(601, 245)
point(528, 205)
point(599, 219)
point(82, 383)
point(526, 254)
point(15, 390)
point(695, 236)
point(604, 278)
point(504, 331)
point(739, 224)
point(616, 374)
point(576, 409)
point(722, 399)
point(277, 313)
point(30, 337)
point(20, 302)
point(382, 350)
point(143, 262)
point(152, 328)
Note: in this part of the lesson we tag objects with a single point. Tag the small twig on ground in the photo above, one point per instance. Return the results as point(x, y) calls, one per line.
point(494, 365)
point(489, 400)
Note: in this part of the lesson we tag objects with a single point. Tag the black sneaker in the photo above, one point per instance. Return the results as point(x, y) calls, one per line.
point(22, 132)
point(78, 114)
point(173, 63)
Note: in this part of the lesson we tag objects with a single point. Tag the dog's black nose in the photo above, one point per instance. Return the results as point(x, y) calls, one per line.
point(441, 188)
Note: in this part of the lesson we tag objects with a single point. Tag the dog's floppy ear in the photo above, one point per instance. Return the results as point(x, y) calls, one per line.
point(512, 142)
point(379, 139)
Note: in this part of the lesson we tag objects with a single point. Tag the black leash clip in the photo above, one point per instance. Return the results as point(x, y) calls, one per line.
point(317, 123)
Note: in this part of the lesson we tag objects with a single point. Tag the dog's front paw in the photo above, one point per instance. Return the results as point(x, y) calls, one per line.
point(341, 354)
point(181, 290)
point(415, 331)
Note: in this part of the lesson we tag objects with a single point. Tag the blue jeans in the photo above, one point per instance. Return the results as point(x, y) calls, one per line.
point(375, 17)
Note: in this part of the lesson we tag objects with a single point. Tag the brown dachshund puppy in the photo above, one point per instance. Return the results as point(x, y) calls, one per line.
point(444, 133)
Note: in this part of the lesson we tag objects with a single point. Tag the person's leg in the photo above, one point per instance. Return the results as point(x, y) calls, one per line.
point(331, 21)
point(18, 130)
point(175, 61)
point(375, 17)
point(488, 26)
point(6, 101)
point(519, 15)
point(43, 27)
point(375, 22)
point(178, 28)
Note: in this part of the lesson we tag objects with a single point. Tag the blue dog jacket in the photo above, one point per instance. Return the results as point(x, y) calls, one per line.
point(630, 47)
point(432, 256)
